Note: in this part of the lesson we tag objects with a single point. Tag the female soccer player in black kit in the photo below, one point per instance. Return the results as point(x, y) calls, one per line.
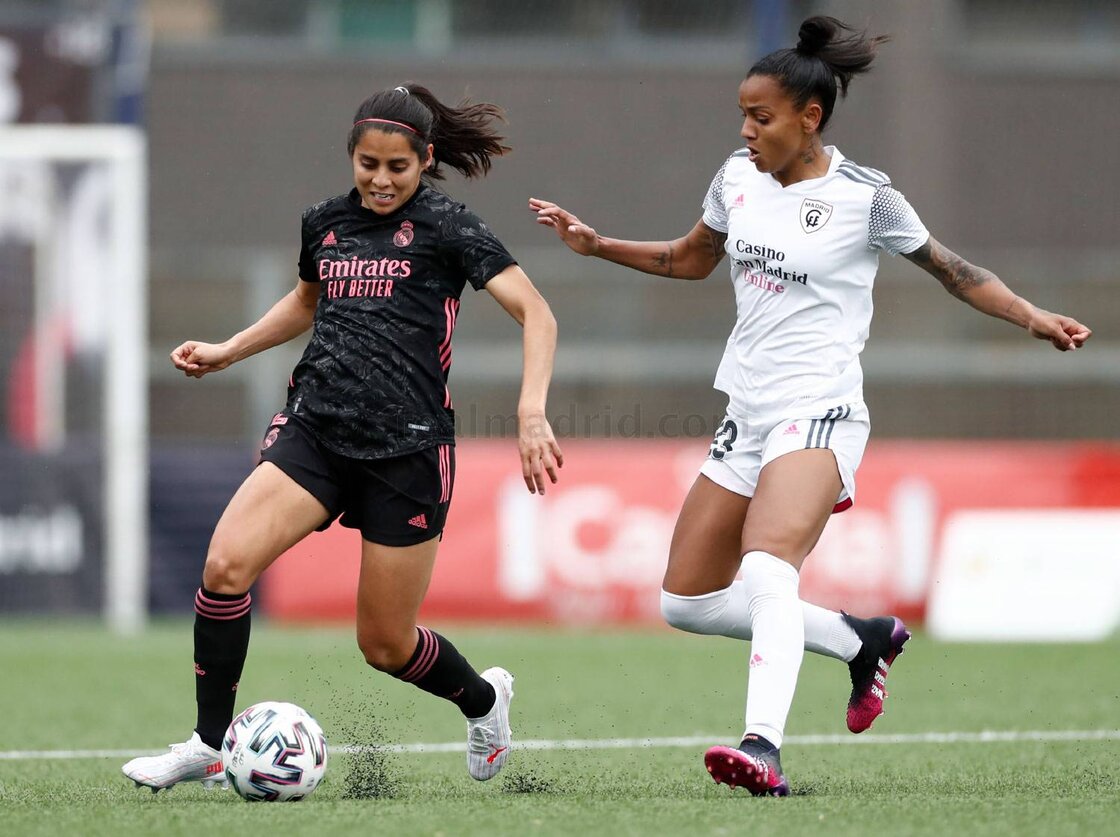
point(368, 431)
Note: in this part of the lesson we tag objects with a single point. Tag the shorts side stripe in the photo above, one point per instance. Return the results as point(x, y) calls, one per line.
point(828, 435)
point(820, 430)
point(444, 473)
point(817, 428)
point(845, 411)
point(813, 425)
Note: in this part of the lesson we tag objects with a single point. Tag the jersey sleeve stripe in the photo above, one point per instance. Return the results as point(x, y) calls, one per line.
point(874, 174)
point(860, 174)
point(856, 176)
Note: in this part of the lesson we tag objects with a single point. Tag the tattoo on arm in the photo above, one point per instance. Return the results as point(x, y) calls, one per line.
point(664, 261)
point(691, 257)
point(957, 275)
point(716, 240)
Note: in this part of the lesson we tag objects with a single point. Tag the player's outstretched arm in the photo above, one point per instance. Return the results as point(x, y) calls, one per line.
point(288, 318)
point(540, 454)
point(694, 256)
point(984, 291)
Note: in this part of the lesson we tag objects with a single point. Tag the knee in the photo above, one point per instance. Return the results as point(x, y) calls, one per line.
point(223, 572)
point(384, 652)
point(791, 543)
point(695, 614)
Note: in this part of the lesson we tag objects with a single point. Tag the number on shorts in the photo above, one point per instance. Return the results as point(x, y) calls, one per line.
point(724, 439)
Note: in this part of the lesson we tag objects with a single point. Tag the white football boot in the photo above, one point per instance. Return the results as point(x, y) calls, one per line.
point(191, 761)
point(489, 738)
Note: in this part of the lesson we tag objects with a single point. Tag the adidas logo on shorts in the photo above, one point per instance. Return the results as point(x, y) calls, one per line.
point(420, 522)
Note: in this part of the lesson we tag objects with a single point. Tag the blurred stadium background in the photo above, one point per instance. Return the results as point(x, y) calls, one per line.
point(992, 456)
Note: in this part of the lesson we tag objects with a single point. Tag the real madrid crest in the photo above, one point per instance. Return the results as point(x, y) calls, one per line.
point(814, 214)
point(403, 236)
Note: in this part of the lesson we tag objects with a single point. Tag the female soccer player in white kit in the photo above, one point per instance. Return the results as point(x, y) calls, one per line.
point(803, 227)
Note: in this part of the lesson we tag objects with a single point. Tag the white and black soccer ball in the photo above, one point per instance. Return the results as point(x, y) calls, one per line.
point(274, 752)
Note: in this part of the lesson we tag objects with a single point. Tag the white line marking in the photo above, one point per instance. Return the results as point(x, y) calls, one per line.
point(982, 737)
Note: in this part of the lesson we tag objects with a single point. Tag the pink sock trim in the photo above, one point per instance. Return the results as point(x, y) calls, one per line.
point(222, 610)
point(426, 659)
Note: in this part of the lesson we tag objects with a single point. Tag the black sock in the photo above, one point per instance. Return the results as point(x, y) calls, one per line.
point(437, 667)
point(221, 642)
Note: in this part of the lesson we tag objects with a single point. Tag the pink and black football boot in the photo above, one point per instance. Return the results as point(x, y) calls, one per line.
point(883, 638)
point(755, 764)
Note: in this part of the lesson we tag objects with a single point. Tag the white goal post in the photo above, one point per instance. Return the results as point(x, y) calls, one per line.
point(111, 256)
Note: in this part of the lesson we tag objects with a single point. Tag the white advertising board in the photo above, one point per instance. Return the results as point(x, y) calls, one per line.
point(1031, 575)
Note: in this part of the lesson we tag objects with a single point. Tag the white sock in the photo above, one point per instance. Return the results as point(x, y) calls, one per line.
point(778, 644)
point(727, 613)
point(717, 613)
point(827, 633)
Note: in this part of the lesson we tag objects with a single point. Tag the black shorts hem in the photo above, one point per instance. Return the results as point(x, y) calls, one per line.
point(395, 538)
point(297, 476)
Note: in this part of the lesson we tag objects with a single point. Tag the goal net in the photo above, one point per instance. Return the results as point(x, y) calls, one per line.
point(73, 372)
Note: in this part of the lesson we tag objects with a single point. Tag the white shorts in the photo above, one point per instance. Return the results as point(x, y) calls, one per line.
point(740, 450)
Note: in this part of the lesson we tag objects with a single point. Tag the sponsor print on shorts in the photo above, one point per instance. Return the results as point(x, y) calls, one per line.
point(724, 440)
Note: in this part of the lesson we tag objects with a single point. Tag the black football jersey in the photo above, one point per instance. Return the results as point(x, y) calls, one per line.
point(372, 382)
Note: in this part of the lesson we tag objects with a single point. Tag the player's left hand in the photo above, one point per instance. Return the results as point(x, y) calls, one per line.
point(1064, 333)
point(540, 454)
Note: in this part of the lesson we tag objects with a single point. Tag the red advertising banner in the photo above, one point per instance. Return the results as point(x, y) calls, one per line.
point(593, 548)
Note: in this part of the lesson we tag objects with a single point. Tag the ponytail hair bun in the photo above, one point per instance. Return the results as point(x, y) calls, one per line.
point(815, 33)
point(828, 54)
point(463, 136)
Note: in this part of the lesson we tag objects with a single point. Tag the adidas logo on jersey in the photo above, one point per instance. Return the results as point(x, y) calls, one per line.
point(420, 522)
point(330, 239)
point(738, 201)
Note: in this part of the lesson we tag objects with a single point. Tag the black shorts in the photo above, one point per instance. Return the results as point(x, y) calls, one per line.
point(399, 501)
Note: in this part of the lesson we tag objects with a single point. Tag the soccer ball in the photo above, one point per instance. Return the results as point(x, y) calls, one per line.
point(274, 752)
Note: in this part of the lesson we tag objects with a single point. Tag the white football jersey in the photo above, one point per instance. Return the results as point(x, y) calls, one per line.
point(803, 263)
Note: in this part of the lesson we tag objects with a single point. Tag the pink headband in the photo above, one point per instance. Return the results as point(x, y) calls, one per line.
point(389, 122)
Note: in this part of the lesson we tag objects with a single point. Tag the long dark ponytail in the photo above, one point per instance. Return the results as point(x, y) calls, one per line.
point(828, 51)
point(462, 136)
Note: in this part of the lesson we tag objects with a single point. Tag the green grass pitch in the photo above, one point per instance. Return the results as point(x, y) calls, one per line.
point(73, 687)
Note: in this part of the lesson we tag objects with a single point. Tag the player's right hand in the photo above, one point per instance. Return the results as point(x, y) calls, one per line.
point(196, 359)
point(573, 232)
